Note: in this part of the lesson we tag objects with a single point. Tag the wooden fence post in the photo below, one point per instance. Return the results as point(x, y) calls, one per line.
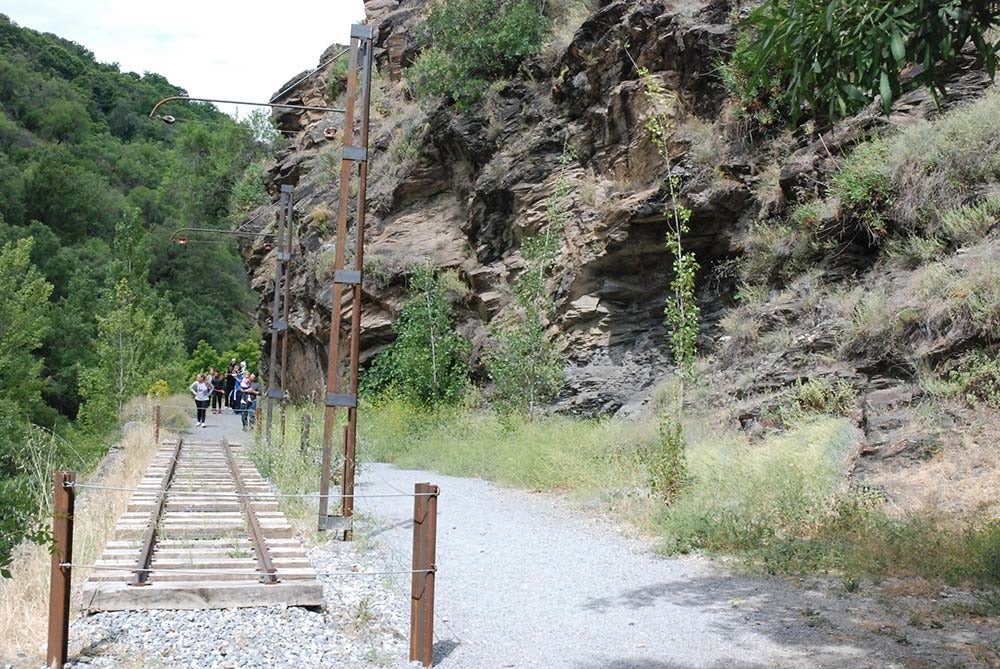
point(61, 577)
point(422, 588)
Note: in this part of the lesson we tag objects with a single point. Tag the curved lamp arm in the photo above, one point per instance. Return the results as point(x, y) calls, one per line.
point(273, 105)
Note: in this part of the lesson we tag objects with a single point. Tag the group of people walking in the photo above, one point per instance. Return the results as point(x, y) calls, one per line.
point(237, 389)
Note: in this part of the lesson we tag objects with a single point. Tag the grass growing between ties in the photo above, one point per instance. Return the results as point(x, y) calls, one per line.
point(24, 597)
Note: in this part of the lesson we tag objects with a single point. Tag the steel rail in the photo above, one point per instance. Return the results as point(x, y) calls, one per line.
point(141, 571)
point(264, 562)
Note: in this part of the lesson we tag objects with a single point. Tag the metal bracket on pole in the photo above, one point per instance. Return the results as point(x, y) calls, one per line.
point(337, 523)
point(361, 31)
point(284, 256)
point(348, 276)
point(286, 188)
point(355, 153)
point(341, 400)
point(279, 326)
point(276, 394)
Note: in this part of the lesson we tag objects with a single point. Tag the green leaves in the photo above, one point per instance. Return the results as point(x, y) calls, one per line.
point(469, 43)
point(830, 57)
point(428, 362)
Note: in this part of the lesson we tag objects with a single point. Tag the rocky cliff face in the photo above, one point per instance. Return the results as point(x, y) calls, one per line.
point(462, 189)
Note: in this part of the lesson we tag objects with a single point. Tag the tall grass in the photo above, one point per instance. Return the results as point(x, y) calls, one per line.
point(553, 453)
point(784, 503)
point(743, 495)
point(24, 597)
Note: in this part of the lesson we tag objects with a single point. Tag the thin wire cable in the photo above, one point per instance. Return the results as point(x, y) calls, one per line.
point(230, 572)
point(277, 96)
point(234, 495)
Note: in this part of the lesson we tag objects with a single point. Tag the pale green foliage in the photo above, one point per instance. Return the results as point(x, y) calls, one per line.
point(550, 452)
point(864, 188)
point(469, 43)
point(249, 191)
point(524, 365)
point(977, 379)
point(970, 223)
point(428, 362)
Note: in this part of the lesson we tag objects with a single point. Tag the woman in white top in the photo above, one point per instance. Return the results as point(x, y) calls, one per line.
point(202, 391)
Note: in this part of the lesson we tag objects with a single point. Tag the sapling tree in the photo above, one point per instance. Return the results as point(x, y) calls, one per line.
point(668, 468)
point(524, 365)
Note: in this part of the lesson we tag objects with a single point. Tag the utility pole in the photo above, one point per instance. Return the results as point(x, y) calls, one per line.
point(354, 162)
point(279, 327)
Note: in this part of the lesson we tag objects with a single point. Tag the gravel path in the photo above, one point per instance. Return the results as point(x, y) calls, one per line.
point(523, 581)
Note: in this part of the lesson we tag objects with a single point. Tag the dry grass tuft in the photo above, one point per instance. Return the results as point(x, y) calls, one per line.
point(24, 597)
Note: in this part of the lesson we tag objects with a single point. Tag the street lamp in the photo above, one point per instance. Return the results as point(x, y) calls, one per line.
point(274, 105)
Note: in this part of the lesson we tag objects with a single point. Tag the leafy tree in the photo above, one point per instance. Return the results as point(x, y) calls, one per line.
point(203, 358)
point(524, 365)
point(427, 363)
point(833, 56)
point(138, 342)
point(469, 43)
point(24, 295)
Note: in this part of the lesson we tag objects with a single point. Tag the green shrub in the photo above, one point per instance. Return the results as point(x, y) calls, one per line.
point(428, 362)
point(978, 379)
point(667, 464)
point(971, 223)
point(912, 251)
point(938, 166)
point(743, 497)
point(833, 398)
point(832, 57)
point(863, 187)
point(336, 78)
point(469, 43)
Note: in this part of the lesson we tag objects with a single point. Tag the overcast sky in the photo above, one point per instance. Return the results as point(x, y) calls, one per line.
point(239, 50)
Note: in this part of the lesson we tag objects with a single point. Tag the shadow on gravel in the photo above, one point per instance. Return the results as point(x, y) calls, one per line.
point(444, 648)
point(790, 616)
point(642, 663)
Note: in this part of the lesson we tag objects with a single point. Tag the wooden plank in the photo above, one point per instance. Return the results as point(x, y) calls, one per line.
point(183, 595)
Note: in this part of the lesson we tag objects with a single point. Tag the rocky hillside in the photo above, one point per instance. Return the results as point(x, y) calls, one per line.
point(780, 307)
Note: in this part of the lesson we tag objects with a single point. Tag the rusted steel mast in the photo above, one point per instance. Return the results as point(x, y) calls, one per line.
point(354, 162)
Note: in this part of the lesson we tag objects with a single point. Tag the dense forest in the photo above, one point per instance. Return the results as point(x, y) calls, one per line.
point(98, 301)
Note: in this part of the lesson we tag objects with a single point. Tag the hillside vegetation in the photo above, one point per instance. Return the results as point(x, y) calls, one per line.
point(97, 300)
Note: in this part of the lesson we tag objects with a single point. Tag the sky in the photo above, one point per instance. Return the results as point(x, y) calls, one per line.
point(237, 50)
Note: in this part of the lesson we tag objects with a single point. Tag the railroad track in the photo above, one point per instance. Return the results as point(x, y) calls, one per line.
point(201, 531)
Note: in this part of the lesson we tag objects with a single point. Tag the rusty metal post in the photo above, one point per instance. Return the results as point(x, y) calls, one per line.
point(156, 424)
point(277, 325)
point(256, 418)
point(355, 154)
point(287, 303)
point(422, 587)
point(61, 577)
